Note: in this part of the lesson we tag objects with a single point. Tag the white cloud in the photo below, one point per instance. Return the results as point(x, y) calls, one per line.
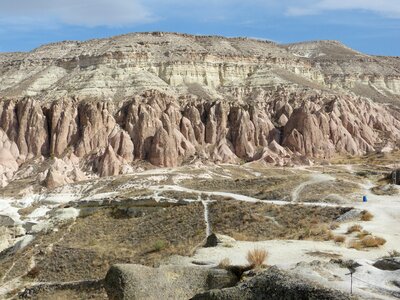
point(388, 8)
point(89, 13)
point(28, 14)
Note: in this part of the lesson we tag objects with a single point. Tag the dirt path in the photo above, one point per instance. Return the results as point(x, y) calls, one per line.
point(315, 178)
point(238, 197)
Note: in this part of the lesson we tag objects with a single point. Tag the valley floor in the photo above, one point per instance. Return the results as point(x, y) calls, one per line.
point(74, 233)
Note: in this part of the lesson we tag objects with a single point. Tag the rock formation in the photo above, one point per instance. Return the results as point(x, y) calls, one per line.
point(277, 284)
point(166, 282)
point(101, 106)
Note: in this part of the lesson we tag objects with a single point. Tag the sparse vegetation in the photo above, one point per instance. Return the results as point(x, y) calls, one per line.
point(354, 228)
point(34, 272)
point(224, 263)
point(363, 234)
point(366, 216)
point(159, 245)
point(368, 241)
point(257, 257)
point(372, 241)
point(260, 221)
point(393, 253)
point(339, 238)
point(387, 189)
point(355, 244)
point(334, 225)
point(330, 191)
point(268, 187)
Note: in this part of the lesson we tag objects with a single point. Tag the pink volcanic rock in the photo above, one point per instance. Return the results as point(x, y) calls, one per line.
point(110, 163)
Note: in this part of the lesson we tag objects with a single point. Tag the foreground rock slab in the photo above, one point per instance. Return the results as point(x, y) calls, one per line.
point(130, 281)
point(273, 284)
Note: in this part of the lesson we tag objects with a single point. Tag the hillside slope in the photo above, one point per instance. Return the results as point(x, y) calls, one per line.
point(72, 109)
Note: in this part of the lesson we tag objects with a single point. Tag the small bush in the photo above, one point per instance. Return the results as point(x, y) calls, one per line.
point(363, 234)
point(334, 225)
point(223, 264)
point(373, 241)
point(320, 232)
point(257, 257)
point(329, 235)
point(355, 244)
point(366, 216)
point(354, 228)
point(34, 272)
point(393, 253)
point(159, 245)
point(339, 238)
point(381, 241)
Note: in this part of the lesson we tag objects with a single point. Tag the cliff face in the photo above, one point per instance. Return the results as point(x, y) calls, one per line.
point(121, 66)
point(103, 105)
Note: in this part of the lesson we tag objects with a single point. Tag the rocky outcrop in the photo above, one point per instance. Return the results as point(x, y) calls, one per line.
point(110, 164)
point(166, 131)
point(388, 264)
point(273, 284)
point(166, 282)
point(9, 154)
point(102, 106)
point(55, 179)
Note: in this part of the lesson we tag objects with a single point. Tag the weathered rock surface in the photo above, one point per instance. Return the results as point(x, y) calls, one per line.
point(388, 264)
point(166, 282)
point(101, 106)
point(273, 284)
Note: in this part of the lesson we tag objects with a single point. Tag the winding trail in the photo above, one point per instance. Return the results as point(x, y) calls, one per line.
point(238, 197)
point(315, 178)
point(207, 216)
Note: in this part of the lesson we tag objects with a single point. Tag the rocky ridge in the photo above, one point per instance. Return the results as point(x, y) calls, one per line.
point(103, 106)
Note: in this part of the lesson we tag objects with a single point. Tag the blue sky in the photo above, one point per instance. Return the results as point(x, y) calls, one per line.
point(370, 26)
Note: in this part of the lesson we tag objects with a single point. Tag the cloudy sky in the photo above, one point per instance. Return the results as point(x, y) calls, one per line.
point(371, 26)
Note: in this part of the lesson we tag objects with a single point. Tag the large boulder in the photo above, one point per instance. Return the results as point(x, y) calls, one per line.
point(55, 179)
point(273, 284)
point(388, 264)
point(129, 281)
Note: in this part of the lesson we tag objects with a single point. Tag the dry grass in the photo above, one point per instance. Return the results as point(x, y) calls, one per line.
point(33, 273)
point(225, 263)
point(328, 191)
point(321, 232)
point(334, 225)
point(370, 241)
point(159, 245)
point(355, 244)
point(393, 253)
point(268, 187)
point(339, 238)
point(372, 159)
point(257, 257)
point(242, 221)
point(354, 228)
point(366, 216)
point(363, 234)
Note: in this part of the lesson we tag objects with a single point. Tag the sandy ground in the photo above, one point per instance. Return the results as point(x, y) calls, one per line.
point(372, 283)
